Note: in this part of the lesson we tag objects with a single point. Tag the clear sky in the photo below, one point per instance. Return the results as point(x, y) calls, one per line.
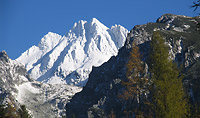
point(24, 22)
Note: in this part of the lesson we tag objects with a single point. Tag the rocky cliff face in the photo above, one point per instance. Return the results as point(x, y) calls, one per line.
point(100, 95)
point(11, 74)
point(42, 100)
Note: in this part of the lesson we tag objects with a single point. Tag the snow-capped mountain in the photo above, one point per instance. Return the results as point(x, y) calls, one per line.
point(69, 59)
point(41, 99)
point(100, 96)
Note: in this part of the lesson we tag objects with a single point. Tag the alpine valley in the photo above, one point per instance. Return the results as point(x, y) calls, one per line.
point(79, 75)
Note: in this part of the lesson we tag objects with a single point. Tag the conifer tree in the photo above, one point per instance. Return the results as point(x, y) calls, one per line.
point(11, 111)
point(135, 84)
point(168, 93)
point(23, 112)
point(2, 111)
point(196, 4)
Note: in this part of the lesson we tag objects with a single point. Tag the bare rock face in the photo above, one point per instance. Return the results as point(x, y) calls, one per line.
point(4, 56)
point(100, 95)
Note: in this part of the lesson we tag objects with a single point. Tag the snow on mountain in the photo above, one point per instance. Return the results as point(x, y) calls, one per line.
point(100, 96)
point(69, 59)
point(34, 53)
point(45, 100)
point(41, 99)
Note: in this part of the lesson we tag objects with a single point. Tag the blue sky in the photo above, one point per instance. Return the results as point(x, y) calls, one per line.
point(24, 22)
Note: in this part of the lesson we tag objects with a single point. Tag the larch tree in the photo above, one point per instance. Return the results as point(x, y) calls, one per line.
point(112, 114)
point(168, 94)
point(11, 111)
point(135, 84)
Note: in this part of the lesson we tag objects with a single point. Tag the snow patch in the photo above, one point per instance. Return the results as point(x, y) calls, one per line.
point(25, 89)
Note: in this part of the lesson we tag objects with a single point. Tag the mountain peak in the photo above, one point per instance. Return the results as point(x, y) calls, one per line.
point(69, 59)
point(98, 24)
point(168, 18)
point(50, 33)
point(80, 27)
point(4, 56)
point(79, 24)
point(49, 40)
point(94, 20)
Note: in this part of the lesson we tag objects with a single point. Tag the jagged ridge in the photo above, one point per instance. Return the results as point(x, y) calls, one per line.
point(69, 59)
point(100, 95)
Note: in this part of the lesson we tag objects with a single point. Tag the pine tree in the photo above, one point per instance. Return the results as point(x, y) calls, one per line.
point(196, 5)
point(135, 84)
point(168, 93)
point(23, 112)
point(2, 111)
point(195, 110)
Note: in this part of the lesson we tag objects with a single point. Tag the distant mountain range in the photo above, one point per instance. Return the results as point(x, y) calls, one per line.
point(69, 59)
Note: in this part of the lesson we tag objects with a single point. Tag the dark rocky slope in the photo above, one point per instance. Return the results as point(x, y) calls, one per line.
point(100, 95)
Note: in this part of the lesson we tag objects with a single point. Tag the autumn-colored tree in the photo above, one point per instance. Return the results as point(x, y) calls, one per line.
point(133, 74)
point(135, 84)
point(112, 114)
point(11, 111)
point(168, 93)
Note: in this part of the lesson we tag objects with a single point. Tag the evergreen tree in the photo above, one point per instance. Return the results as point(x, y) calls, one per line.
point(195, 110)
point(135, 84)
point(23, 112)
point(2, 111)
point(196, 4)
point(168, 93)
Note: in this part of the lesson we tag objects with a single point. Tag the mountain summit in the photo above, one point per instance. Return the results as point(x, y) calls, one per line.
point(69, 59)
point(100, 97)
